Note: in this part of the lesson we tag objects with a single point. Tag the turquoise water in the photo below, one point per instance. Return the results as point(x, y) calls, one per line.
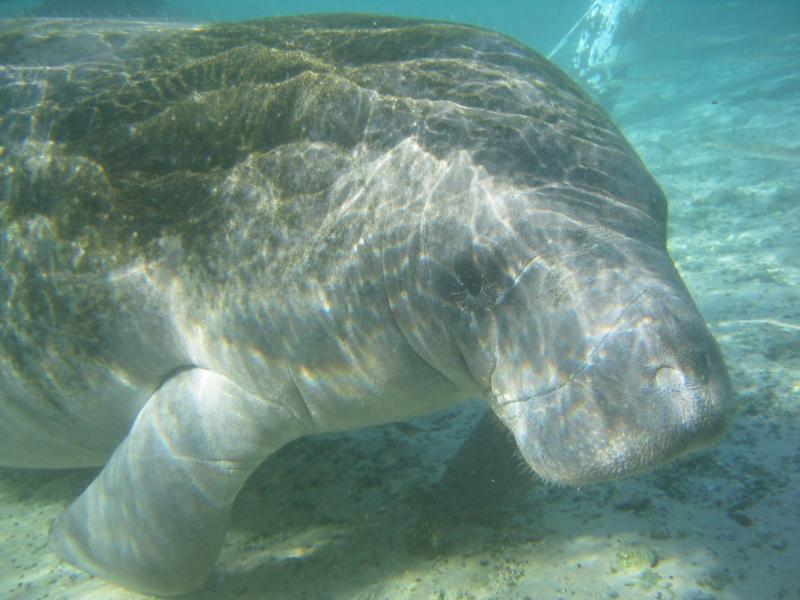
point(669, 30)
point(528, 21)
point(711, 103)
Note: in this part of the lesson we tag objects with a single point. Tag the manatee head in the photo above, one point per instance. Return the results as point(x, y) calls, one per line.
point(569, 318)
point(627, 375)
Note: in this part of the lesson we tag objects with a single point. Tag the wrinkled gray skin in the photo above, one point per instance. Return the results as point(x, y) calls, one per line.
point(222, 238)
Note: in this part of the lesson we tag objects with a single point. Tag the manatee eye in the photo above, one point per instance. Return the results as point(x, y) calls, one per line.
point(469, 275)
point(479, 279)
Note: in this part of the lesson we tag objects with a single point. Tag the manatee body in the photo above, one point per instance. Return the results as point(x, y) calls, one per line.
point(220, 238)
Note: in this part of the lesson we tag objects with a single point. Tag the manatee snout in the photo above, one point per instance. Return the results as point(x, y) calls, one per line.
point(654, 388)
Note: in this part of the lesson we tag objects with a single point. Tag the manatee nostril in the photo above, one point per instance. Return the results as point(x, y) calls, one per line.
point(699, 367)
point(666, 376)
point(704, 367)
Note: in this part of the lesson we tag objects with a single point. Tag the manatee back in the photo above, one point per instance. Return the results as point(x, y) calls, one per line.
point(144, 126)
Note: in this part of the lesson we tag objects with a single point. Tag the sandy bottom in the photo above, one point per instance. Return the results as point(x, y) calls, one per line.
point(340, 516)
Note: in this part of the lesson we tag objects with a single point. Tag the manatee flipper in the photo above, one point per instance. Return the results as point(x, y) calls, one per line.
point(155, 518)
point(487, 471)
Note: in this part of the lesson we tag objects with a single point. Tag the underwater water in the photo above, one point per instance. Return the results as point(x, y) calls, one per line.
point(711, 102)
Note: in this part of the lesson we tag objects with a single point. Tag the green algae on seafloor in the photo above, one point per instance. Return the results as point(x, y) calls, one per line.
point(715, 580)
point(649, 579)
point(636, 557)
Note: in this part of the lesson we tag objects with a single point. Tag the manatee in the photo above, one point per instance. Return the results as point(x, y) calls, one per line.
point(220, 238)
